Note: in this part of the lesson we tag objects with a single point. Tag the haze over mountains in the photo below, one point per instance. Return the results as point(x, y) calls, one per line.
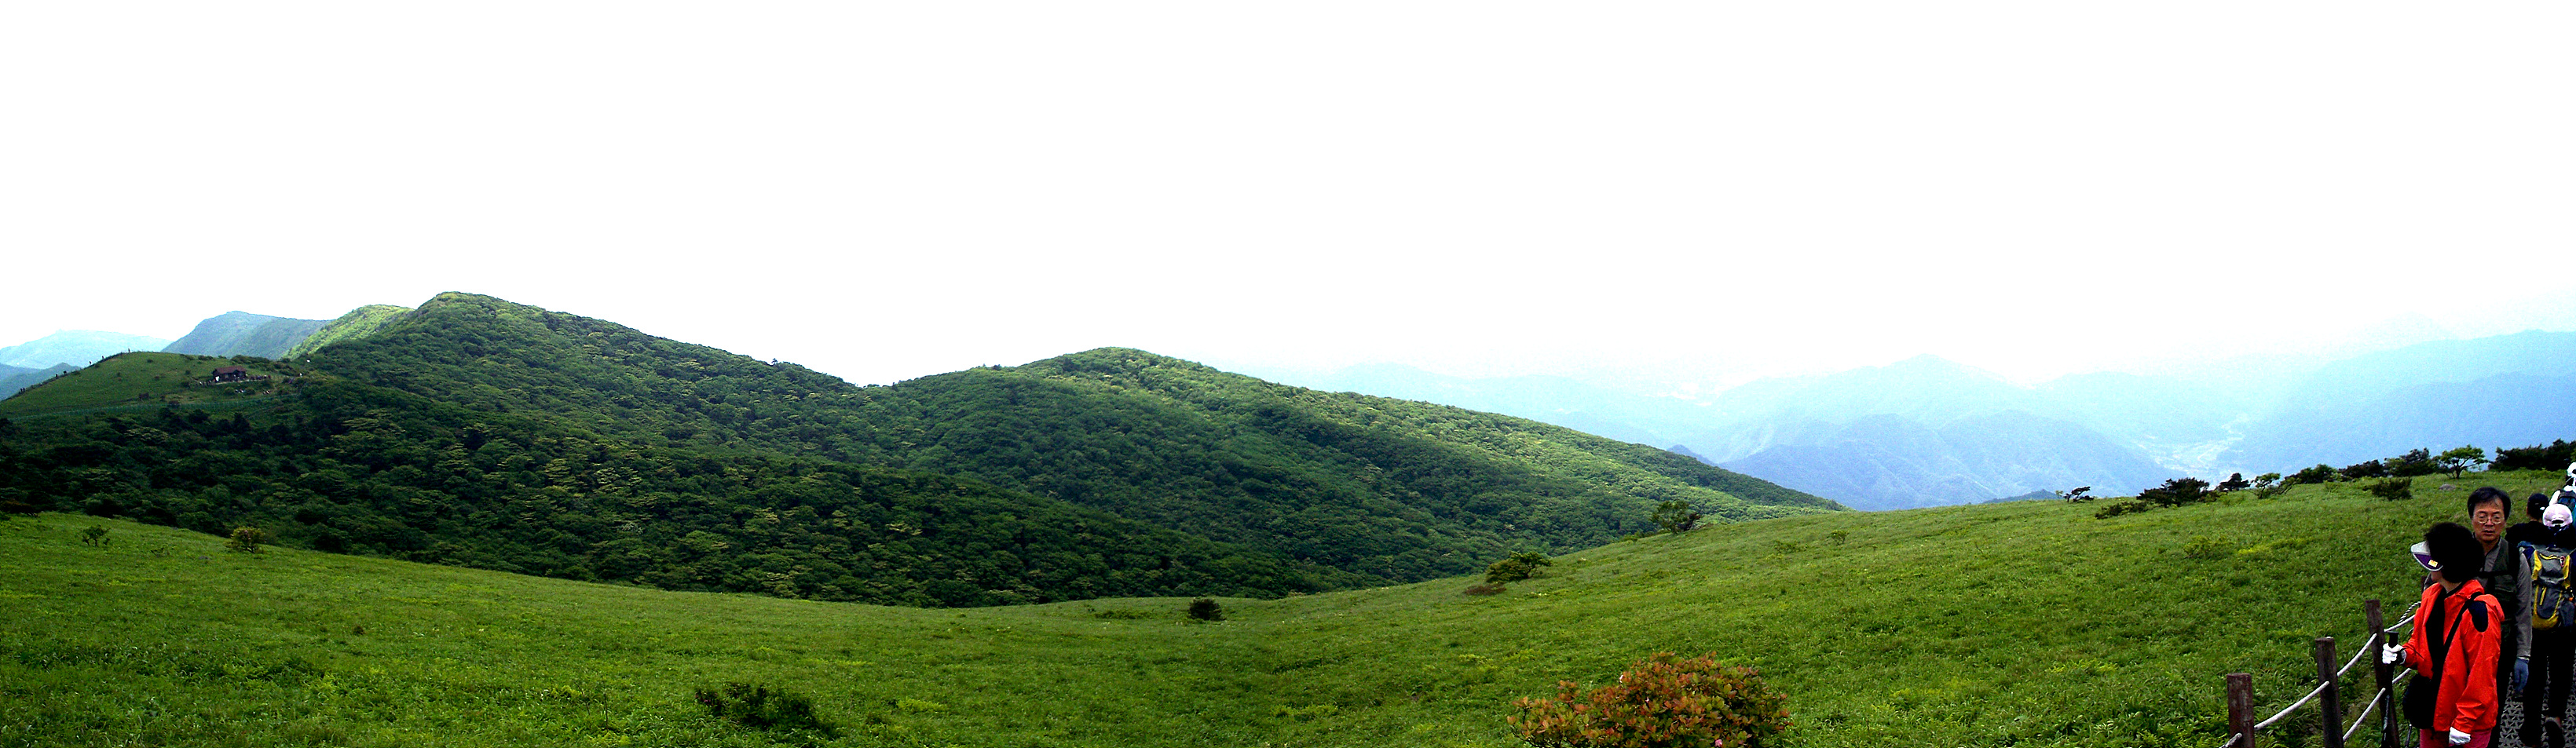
point(1927, 431)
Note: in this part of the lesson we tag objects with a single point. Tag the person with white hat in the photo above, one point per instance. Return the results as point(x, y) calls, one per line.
point(2458, 634)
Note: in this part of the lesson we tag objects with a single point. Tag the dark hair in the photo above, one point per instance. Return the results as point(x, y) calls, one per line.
point(2456, 549)
point(2534, 505)
point(2486, 494)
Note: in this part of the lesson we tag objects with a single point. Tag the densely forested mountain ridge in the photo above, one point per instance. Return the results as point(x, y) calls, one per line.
point(481, 432)
point(1391, 487)
point(1395, 489)
point(325, 462)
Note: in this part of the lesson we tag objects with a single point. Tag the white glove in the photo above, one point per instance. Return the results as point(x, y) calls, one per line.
point(2392, 654)
point(2459, 738)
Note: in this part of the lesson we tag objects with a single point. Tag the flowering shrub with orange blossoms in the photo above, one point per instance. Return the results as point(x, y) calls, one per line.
point(1662, 701)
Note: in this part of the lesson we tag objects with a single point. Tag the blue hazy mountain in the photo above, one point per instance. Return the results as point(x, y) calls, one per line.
point(76, 347)
point(2507, 390)
point(15, 378)
point(245, 334)
point(1928, 431)
point(1920, 432)
point(1894, 462)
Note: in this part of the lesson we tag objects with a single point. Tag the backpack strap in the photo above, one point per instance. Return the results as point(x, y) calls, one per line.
point(2477, 612)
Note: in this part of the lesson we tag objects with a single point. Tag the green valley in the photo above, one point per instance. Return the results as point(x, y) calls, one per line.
point(2028, 624)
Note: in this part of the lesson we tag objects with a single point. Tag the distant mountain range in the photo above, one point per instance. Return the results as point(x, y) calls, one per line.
point(1927, 431)
point(245, 334)
point(224, 335)
point(75, 347)
point(1920, 432)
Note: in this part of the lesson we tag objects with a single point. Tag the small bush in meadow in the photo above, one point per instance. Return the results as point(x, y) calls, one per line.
point(763, 708)
point(94, 535)
point(1520, 566)
point(1663, 701)
point(1485, 589)
point(2393, 489)
point(1204, 609)
point(246, 539)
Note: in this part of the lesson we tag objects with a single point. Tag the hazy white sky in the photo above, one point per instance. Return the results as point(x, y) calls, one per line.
point(1675, 190)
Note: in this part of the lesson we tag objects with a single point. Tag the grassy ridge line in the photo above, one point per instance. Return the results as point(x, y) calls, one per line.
point(157, 378)
point(2029, 624)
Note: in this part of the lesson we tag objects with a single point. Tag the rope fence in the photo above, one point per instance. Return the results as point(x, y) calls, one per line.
point(2328, 694)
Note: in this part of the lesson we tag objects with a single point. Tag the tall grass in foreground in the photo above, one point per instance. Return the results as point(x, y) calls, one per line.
point(2014, 624)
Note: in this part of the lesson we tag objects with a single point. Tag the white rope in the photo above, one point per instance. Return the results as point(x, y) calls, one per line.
point(2366, 709)
point(2374, 641)
point(2294, 706)
point(2356, 657)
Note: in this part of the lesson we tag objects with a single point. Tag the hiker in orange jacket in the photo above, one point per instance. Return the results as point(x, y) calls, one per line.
point(2458, 636)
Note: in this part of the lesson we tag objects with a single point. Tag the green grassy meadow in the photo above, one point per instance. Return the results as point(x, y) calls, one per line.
point(143, 382)
point(2027, 623)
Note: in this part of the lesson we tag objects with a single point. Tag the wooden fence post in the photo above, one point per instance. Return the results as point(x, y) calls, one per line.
point(2386, 674)
point(2240, 708)
point(2332, 701)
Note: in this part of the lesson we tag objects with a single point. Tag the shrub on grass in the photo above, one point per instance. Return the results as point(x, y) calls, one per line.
point(2393, 489)
point(1204, 609)
point(2131, 506)
point(246, 539)
point(1485, 589)
point(94, 535)
point(763, 708)
point(1662, 700)
point(1520, 566)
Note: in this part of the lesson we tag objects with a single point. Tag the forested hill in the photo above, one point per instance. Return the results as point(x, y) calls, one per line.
point(323, 462)
point(1393, 489)
point(473, 430)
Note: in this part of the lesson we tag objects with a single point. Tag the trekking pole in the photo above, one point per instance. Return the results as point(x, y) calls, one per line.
point(2384, 673)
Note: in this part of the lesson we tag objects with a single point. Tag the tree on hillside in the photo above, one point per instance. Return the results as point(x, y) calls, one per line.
point(2551, 457)
point(2077, 496)
point(2371, 469)
point(2457, 461)
point(1676, 516)
point(2177, 492)
point(2322, 473)
point(2234, 482)
point(2415, 462)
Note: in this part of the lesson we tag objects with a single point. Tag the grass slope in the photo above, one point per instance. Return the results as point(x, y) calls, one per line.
point(2028, 623)
point(145, 381)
